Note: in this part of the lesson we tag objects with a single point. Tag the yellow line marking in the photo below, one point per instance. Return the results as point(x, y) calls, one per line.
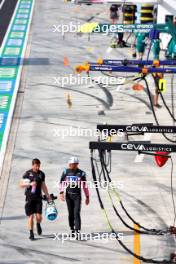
point(88, 27)
point(69, 100)
point(136, 245)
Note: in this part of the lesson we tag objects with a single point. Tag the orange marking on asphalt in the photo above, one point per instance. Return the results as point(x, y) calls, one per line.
point(137, 245)
point(66, 61)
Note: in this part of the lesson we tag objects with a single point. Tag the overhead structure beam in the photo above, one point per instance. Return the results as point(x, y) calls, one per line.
point(145, 128)
point(116, 68)
point(137, 62)
point(132, 146)
point(115, 2)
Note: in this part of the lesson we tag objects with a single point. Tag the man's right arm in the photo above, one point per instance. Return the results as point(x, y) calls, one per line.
point(62, 186)
point(25, 182)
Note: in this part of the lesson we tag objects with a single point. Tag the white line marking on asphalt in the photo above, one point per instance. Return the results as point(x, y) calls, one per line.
point(109, 50)
point(119, 88)
point(140, 157)
point(2, 3)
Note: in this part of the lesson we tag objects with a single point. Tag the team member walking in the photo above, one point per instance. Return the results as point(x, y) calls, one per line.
point(73, 180)
point(34, 183)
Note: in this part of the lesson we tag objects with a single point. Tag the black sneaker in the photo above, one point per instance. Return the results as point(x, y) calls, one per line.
point(78, 235)
point(39, 229)
point(125, 45)
point(73, 233)
point(31, 237)
point(158, 106)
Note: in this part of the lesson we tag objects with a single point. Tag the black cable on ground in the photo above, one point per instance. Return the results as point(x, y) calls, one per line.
point(146, 260)
point(146, 230)
point(153, 111)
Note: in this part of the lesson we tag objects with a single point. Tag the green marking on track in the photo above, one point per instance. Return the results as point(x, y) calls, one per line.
point(1, 138)
point(17, 34)
point(5, 101)
point(21, 21)
point(8, 72)
point(24, 11)
point(12, 52)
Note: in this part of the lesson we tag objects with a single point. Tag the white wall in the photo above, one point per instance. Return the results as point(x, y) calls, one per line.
point(162, 12)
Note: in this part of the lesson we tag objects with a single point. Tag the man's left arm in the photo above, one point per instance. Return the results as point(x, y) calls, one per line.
point(44, 187)
point(85, 188)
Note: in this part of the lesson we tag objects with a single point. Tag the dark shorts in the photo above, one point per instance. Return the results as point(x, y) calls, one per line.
point(33, 207)
point(157, 86)
point(140, 48)
point(113, 15)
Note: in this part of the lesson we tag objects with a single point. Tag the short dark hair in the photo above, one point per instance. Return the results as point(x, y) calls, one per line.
point(36, 161)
